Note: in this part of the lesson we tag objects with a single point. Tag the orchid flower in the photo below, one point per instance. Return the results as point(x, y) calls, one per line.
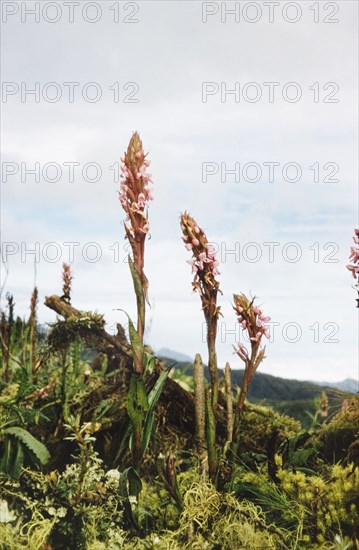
point(205, 268)
point(353, 267)
point(134, 197)
point(252, 320)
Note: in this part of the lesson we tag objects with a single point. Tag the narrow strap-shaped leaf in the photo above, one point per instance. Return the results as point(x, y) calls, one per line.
point(142, 398)
point(130, 485)
point(126, 436)
point(5, 461)
point(135, 339)
point(134, 483)
point(153, 398)
point(131, 398)
point(150, 362)
point(18, 461)
point(138, 285)
point(147, 432)
point(156, 391)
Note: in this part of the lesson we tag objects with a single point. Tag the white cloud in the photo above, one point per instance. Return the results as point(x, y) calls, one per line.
point(169, 53)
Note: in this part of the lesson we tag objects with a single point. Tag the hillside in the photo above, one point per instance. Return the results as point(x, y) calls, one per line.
point(349, 384)
point(296, 398)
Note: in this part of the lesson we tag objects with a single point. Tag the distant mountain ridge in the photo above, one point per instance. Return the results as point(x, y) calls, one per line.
point(267, 383)
point(166, 353)
point(349, 384)
point(297, 398)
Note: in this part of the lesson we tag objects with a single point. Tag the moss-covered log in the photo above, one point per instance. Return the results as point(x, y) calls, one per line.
point(90, 328)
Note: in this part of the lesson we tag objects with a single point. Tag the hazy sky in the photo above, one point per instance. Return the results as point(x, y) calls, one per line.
point(267, 92)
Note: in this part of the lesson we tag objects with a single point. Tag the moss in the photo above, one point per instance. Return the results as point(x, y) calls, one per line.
point(63, 333)
point(258, 424)
point(337, 440)
point(155, 500)
point(32, 535)
point(330, 502)
point(211, 519)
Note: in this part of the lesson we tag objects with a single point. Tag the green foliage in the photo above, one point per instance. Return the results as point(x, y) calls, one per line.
point(211, 437)
point(329, 501)
point(137, 407)
point(275, 504)
point(18, 444)
point(183, 377)
point(32, 536)
point(136, 343)
point(153, 398)
point(141, 412)
point(63, 333)
point(211, 519)
point(83, 505)
point(295, 455)
point(338, 439)
point(258, 424)
point(314, 508)
point(130, 486)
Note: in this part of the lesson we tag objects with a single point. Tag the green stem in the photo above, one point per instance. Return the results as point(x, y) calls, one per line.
point(137, 278)
point(211, 437)
point(64, 404)
point(200, 413)
point(212, 360)
point(239, 410)
point(229, 402)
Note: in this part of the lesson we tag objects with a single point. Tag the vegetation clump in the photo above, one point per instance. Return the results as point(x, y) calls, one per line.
point(338, 439)
point(103, 448)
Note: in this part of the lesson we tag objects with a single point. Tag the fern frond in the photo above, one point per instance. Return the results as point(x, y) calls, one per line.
point(33, 445)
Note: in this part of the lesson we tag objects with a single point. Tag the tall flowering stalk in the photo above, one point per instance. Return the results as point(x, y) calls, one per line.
point(205, 268)
point(252, 319)
point(67, 278)
point(354, 258)
point(135, 195)
point(33, 328)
